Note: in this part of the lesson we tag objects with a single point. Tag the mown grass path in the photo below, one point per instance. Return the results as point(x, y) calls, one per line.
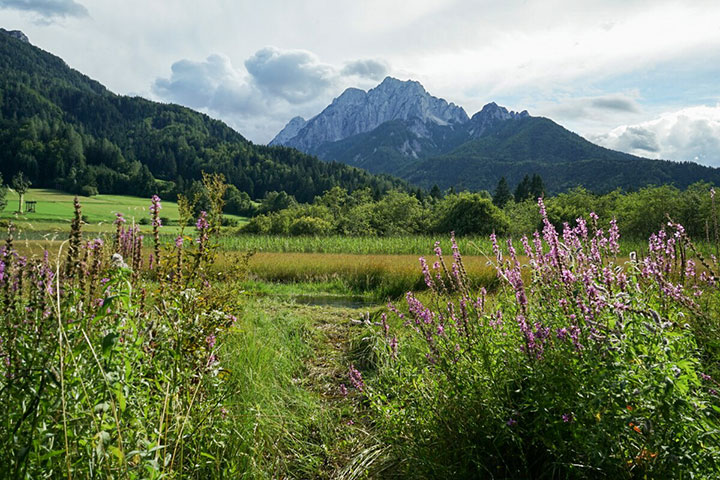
point(321, 432)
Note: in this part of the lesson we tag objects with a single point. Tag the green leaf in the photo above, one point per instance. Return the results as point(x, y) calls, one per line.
point(117, 452)
point(109, 341)
point(122, 403)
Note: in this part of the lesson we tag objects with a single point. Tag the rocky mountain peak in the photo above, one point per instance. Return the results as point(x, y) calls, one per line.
point(393, 85)
point(351, 96)
point(291, 129)
point(490, 115)
point(356, 111)
point(16, 34)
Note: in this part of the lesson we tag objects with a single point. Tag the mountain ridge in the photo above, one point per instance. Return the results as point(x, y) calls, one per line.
point(392, 99)
point(476, 152)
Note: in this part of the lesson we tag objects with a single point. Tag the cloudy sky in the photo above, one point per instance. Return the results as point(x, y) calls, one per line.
point(639, 76)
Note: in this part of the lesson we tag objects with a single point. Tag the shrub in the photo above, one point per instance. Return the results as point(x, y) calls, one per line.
point(310, 226)
point(580, 367)
point(471, 213)
point(88, 191)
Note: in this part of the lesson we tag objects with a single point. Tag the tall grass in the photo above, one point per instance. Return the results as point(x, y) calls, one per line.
point(384, 276)
point(392, 245)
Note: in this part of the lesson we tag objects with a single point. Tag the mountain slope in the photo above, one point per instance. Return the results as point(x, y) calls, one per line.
point(474, 153)
point(66, 130)
point(563, 159)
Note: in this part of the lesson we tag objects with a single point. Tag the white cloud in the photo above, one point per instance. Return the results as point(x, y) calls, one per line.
point(274, 86)
point(690, 134)
point(547, 56)
point(371, 69)
point(295, 75)
point(597, 108)
point(47, 10)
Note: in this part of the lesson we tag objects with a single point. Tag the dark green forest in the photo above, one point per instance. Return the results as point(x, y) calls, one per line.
point(65, 130)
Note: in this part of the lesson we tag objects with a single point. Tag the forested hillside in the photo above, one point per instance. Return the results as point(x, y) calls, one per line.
point(564, 160)
point(65, 130)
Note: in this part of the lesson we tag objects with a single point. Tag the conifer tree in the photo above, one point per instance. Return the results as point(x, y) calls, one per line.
point(435, 192)
point(502, 193)
point(522, 191)
point(537, 188)
point(3, 194)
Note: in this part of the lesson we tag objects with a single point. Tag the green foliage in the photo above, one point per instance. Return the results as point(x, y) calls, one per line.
point(641, 212)
point(238, 203)
point(275, 201)
point(3, 194)
point(309, 226)
point(20, 183)
point(398, 213)
point(529, 188)
point(564, 160)
point(108, 371)
point(638, 213)
point(470, 214)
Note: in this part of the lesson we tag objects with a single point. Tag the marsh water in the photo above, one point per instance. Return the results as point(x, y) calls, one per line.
point(330, 300)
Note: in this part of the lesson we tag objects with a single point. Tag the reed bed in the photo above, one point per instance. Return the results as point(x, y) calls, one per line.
point(384, 275)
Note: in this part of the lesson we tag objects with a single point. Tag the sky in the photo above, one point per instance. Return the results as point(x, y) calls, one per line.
point(633, 75)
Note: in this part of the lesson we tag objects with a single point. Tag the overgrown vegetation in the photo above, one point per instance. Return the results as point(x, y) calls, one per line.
point(580, 367)
point(127, 357)
point(108, 371)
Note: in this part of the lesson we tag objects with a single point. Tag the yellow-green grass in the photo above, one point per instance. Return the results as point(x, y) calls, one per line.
point(416, 244)
point(384, 275)
point(57, 206)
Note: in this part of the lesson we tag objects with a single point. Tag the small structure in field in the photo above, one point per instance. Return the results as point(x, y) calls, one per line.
point(30, 206)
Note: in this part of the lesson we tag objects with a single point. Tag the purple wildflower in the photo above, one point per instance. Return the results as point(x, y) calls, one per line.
point(356, 378)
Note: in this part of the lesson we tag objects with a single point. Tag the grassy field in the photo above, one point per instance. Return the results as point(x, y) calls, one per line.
point(310, 379)
point(56, 206)
point(54, 211)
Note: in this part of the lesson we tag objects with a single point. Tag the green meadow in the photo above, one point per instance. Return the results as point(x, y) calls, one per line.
point(262, 356)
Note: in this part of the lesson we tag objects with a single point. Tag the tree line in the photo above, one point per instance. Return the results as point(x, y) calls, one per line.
point(339, 212)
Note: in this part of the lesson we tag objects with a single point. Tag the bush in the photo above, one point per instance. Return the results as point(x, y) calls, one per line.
point(310, 226)
point(229, 222)
point(470, 213)
point(88, 191)
point(579, 368)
